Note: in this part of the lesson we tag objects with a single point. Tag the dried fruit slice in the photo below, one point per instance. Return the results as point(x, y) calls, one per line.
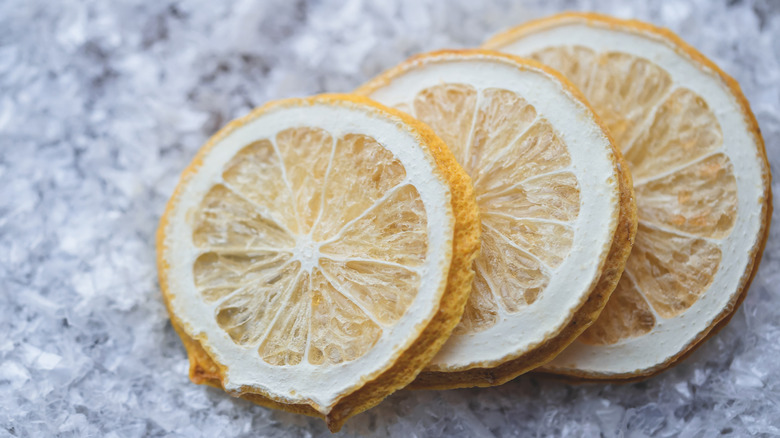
point(556, 207)
point(317, 253)
point(701, 178)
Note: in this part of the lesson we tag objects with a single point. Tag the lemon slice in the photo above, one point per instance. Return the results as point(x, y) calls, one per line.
point(556, 208)
point(317, 253)
point(701, 178)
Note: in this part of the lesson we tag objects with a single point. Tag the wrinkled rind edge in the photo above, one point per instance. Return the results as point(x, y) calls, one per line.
point(466, 245)
point(754, 259)
point(612, 264)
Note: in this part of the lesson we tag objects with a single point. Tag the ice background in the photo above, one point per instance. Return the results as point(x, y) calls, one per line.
point(103, 103)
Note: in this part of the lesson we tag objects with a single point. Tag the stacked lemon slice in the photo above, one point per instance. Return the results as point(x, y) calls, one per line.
point(701, 179)
point(317, 253)
point(321, 253)
point(554, 198)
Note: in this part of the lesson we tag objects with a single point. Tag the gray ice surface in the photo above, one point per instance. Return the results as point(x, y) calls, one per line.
point(103, 103)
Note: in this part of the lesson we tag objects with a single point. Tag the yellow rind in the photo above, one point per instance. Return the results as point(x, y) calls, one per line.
point(683, 48)
point(419, 351)
point(612, 265)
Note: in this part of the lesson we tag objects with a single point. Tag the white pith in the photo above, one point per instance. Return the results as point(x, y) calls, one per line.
point(307, 252)
point(672, 336)
point(321, 386)
point(594, 167)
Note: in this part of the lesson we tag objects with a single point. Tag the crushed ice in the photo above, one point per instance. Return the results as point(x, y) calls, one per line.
point(102, 104)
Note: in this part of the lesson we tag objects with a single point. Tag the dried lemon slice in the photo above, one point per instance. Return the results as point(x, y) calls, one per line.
point(556, 208)
point(701, 178)
point(317, 253)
